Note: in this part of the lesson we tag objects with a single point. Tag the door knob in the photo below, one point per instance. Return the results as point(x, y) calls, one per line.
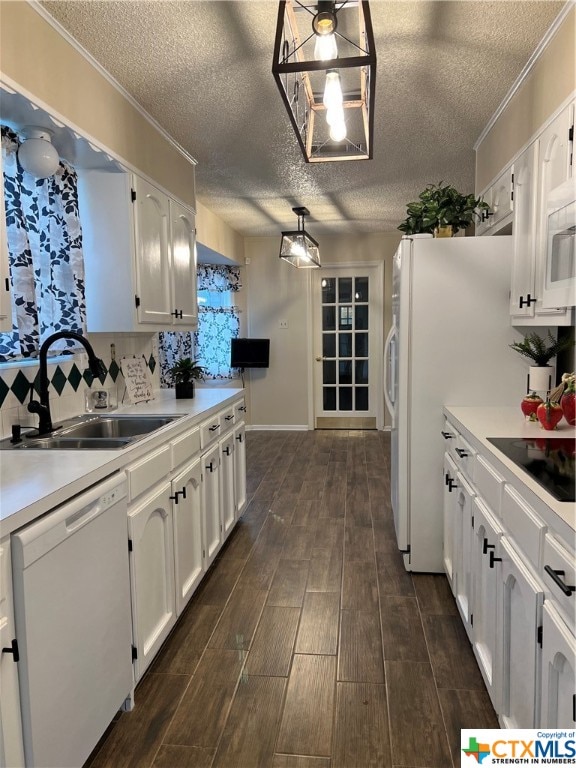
point(319, 359)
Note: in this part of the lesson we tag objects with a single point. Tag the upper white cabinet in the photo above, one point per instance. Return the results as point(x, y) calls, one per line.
point(140, 255)
point(500, 198)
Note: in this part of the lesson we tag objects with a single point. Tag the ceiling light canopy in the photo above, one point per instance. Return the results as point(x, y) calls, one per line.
point(325, 68)
point(298, 247)
point(37, 155)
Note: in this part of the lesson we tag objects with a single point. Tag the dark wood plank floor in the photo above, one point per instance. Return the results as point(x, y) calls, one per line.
point(308, 645)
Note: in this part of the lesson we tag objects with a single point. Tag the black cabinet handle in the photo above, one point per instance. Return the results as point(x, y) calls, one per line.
point(486, 546)
point(228, 418)
point(227, 450)
point(462, 453)
point(242, 408)
point(528, 301)
point(494, 559)
point(210, 467)
point(239, 438)
point(177, 313)
point(446, 478)
point(451, 485)
point(447, 435)
point(13, 649)
point(214, 427)
point(555, 576)
point(175, 497)
point(183, 492)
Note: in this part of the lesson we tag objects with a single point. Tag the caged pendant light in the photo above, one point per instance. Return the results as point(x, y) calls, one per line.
point(299, 248)
point(325, 68)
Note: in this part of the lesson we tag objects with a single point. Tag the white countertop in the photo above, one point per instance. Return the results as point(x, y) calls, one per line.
point(34, 482)
point(485, 422)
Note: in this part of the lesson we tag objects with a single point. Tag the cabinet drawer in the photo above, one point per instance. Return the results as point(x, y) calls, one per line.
point(450, 435)
point(239, 411)
point(523, 525)
point(489, 482)
point(210, 430)
point(185, 446)
point(557, 558)
point(227, 418)
point(464, 456)
point(149, 471)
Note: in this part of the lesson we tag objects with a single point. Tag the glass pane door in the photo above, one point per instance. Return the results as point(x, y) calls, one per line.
point(344, 370)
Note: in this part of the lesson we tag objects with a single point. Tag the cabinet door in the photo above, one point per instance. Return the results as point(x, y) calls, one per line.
point(187, 510)
point(553, 170)
point(519, 659)
point(502, 200)
point(558, 709)
point(212, 525)
point(450, 518)
point(151, 574)
point(463, 543)
point(240, 468)
point(152, 254)
point(523, 291)
point(485, 576)
point(227, 498)
point(183, 252)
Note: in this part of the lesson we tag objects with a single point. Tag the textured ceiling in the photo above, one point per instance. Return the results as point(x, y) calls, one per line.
point(203, 71)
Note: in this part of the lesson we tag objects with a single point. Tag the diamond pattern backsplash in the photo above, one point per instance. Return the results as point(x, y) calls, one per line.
point(62, 383)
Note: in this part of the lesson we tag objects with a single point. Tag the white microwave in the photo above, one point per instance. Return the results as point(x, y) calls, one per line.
point(560, 263)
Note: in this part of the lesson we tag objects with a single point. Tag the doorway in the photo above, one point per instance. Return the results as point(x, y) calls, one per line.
point(347, 348)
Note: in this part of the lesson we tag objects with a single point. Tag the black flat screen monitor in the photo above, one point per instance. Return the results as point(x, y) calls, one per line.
point(250, 353)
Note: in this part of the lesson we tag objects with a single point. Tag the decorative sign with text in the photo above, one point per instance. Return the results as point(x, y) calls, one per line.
point(137, 377)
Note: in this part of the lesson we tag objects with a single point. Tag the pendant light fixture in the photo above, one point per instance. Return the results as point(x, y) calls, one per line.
point(298, 247)
point(36, 154)
point(325, 68)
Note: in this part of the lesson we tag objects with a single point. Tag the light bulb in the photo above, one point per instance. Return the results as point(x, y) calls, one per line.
point(37, 155)
point(335, 115)
point(325, 48)
point(332, 90)
point(338, 131)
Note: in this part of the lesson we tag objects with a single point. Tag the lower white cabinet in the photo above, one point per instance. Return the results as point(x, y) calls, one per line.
point(227, 496)
point(211, 522)
point(450, 518)
point(522, 597)
point(558, 707)
point(150, 531)
point(485, 555)
point(462, 555)
point(240, 467)
point(188, 546)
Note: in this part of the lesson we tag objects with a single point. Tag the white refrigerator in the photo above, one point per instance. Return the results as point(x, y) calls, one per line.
point(448, 345)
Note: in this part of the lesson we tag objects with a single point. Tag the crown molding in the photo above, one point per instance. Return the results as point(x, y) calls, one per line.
point(556, 24)
point(41, 11)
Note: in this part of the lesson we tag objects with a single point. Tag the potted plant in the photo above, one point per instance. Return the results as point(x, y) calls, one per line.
point(439, 207)
point(183, 373)
point(541, 350)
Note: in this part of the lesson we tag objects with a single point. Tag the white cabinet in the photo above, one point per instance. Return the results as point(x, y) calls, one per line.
point(188, 546)
point(150, 531)
point(240, 466)
point(499, 196)
point(462, 554)
point(485, 571)
point(212, 524)
point(139, 254)
point(521, 614)
point(450, 513)
point(227, 496)
point(523, 284)
point(558, 708)
point(5, 292)
point(11, 745)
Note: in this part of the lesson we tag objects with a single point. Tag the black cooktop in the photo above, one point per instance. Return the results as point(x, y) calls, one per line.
point(549, 460)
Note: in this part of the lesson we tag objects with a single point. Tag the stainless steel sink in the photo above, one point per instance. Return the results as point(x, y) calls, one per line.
point(93, 432)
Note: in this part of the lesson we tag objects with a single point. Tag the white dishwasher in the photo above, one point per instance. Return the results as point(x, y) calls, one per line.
point(73, 626)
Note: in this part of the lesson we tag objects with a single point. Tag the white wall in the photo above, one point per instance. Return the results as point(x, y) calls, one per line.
point(279, 395)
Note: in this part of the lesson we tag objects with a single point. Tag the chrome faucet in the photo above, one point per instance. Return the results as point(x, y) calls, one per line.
point(42, 408)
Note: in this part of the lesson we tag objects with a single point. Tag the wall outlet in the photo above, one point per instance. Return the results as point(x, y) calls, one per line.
point(283, 324)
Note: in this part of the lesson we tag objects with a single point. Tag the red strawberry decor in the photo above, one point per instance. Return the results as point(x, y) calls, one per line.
point(529, 405)
point(549, 414)
point(568, 400)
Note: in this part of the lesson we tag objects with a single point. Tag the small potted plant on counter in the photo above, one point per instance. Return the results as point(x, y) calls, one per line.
point(441, 211)
point(541, 350)
point(183, 373)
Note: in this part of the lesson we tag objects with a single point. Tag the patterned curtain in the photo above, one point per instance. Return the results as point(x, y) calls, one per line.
point(45, 255)
point(217, 324)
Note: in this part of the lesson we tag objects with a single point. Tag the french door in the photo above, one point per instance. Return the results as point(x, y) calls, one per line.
point(347, 347)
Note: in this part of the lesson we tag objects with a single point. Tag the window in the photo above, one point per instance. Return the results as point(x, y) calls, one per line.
point(218, 323)
point(45, 254)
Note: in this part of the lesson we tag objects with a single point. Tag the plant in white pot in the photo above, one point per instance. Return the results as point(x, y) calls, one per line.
point(183, 373)
point(541, 350)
